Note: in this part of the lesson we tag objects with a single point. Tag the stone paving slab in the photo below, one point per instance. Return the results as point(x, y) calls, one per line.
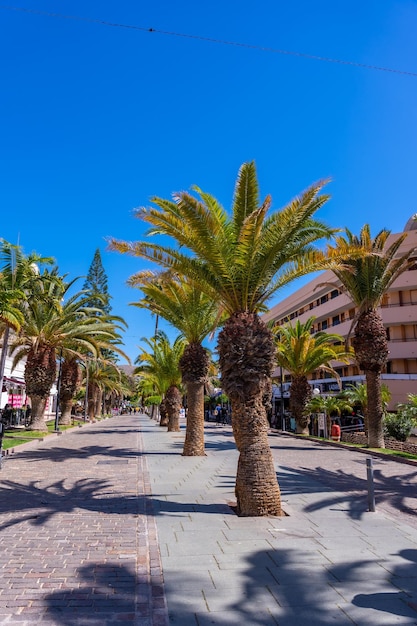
point(78, 540)
point(329, 561)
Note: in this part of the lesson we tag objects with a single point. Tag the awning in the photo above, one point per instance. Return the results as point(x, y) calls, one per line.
point(15, 381)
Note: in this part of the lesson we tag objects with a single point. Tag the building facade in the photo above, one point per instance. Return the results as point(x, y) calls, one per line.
point(333, 311)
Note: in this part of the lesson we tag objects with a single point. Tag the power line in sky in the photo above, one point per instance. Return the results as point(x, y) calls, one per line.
point(210, 40)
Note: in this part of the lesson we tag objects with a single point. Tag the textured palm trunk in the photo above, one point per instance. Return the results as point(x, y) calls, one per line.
point(371, 349)
point(66, 411)
point(164, 413)
point(376, 413)
point(257, 491)
point(38, 404)
point(300, 394)
point(247, 352)
point(173, 405)
point(70, 383)
point(40, 373)
point(92, 401)
point(98, 403)
point(194, 435)
point(194, 365)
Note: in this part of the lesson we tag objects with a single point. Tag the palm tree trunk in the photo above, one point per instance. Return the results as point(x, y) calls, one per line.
point(70, 383)
point(371, 348)
point(92, 395)
point(257, 491)
point(173, 404)
point(164, 414)
point(40, 371)
point(194, 364)
point(98, 403)
point(374, 410)
point(66, 408)
point(194, 435)
point(300, 394)
point(38, 404)
point(247, 357)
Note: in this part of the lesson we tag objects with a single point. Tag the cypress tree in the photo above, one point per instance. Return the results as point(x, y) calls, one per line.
point(96, 285)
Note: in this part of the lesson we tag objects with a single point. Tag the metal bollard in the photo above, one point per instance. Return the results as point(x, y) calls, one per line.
point(371, 490)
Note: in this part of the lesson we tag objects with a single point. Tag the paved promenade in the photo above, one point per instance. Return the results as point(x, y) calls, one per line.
point(83, 541)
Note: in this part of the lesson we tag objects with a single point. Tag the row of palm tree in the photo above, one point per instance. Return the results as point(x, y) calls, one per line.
point(239, 260)
point(49, 323)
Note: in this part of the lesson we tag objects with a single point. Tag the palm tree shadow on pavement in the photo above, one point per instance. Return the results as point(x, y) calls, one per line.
point(31, 502)
point(350, 491)
point(107, 594)
point(402, 602)
point(268, 588)
point(58, 454)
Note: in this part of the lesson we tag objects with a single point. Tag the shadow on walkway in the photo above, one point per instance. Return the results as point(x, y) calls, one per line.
point(349, 490)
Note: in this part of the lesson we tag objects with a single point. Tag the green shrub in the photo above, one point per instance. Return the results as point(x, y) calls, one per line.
point(399, 425)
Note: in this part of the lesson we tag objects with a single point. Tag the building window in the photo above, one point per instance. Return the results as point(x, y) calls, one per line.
point(334, 293)
point(336, 320)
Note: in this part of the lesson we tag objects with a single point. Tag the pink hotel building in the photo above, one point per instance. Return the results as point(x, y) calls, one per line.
point(333, 311)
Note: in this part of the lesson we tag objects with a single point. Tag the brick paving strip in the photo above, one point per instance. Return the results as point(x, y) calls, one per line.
point(78, 537)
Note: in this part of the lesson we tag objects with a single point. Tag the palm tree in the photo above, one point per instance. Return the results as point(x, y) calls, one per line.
point(104, 338)
point(17, 275)
point(239, 261)
point(366, 279)
point(104, 379)
point(302, 352)
point(329, 405)
point(357, 396)
point(161, 365)
point(50, 325)
point(195, 315)
point(70, 384)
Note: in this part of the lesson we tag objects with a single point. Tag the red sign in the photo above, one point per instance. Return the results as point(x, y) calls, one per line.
point(15, 401)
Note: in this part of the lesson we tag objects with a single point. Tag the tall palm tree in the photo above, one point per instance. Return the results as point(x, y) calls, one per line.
point(240, 261)
point(103, 335)
point(302, 352)
point(195, 315)
point(366, 279)
point(53, 324)
point(104, 379)
point(161, 365)
point(18, 272)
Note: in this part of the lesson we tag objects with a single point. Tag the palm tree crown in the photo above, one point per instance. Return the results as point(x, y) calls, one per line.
point(240, 260)
point(366, 278)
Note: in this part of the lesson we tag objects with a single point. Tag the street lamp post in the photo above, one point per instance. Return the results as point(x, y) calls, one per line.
point(86, 389)
point(322, 417)
point(58, 391)
point(86, 394)
point(281, 404)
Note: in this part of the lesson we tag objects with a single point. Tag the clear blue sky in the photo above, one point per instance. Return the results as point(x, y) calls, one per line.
point(95, 119)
